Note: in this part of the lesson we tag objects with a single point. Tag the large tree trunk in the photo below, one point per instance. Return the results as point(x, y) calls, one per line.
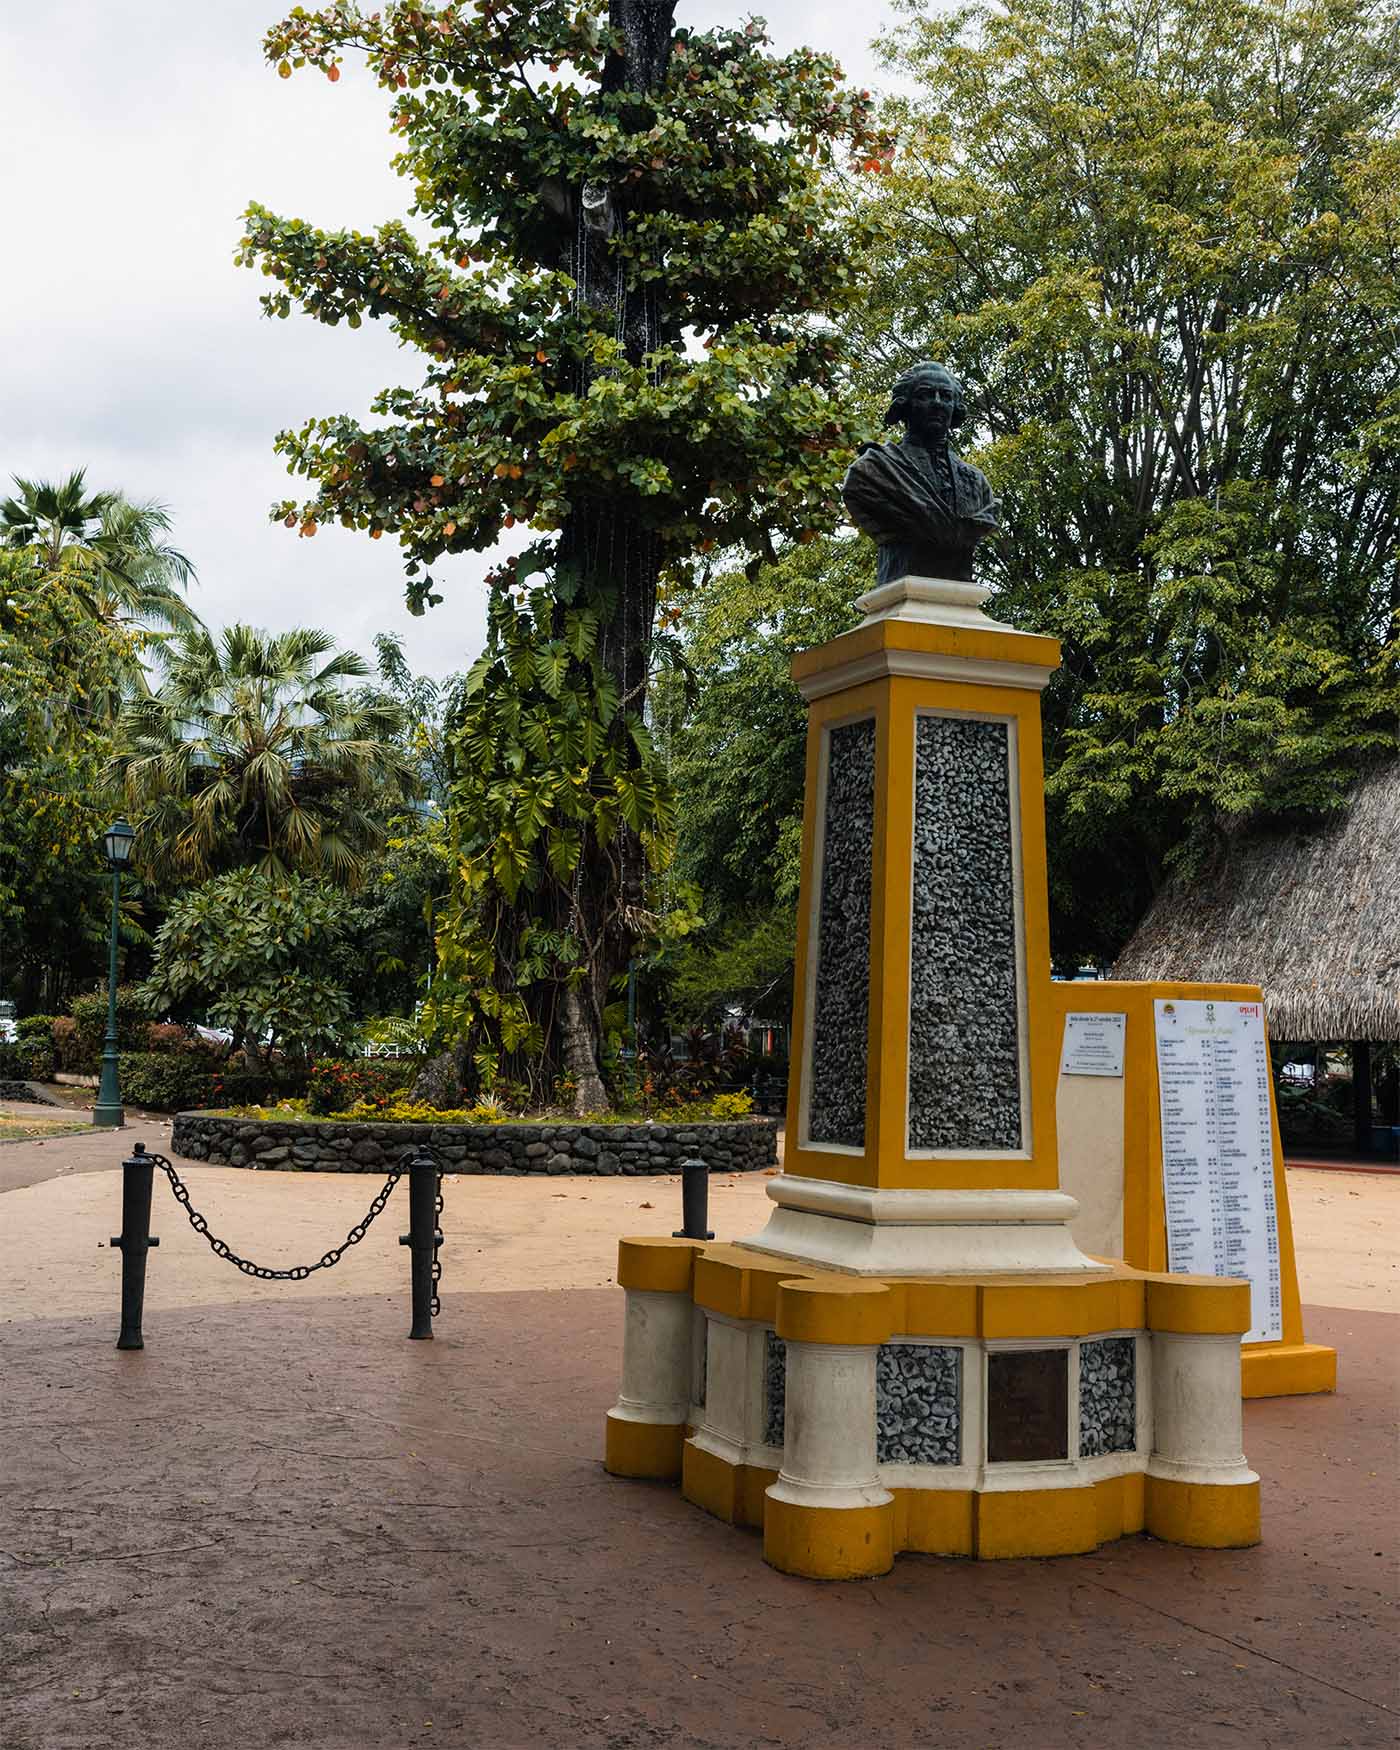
point(439, 1082)
point(612, 548)
point(577, 1037)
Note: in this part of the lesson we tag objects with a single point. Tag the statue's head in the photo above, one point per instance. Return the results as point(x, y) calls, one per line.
point(925, 398)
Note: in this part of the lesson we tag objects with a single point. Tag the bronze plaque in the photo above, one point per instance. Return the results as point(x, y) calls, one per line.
point(1027, 1405)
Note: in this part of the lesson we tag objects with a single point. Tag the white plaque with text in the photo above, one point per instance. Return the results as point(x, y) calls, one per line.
point(1217, 1149)
point(1093, 1045)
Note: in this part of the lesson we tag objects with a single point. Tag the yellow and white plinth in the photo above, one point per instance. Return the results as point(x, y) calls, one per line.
point(815, 1449)
point(914, 1353)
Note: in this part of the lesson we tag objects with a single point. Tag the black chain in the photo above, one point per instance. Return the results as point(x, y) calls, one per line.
point(298, 1272)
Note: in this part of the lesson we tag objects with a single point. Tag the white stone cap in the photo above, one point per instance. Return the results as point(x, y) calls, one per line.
point(936, 601)
point(930, 601)
point(865, 1203)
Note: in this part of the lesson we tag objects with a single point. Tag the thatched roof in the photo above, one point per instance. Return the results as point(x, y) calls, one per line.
point(1313, 917)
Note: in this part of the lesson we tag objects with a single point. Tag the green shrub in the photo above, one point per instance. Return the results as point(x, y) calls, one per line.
point(38, 1027)
point(242, 1087)
point(171, 1036)
point(68, 1045)
point(258, 955)
point(335, 1084)
point(90, 1017)
point(164, 1081)
point(26, 1060)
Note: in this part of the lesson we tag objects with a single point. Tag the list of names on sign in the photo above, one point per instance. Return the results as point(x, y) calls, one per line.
point(1217, 1150)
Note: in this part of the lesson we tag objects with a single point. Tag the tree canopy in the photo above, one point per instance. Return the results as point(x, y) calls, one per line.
point(255, 749)
point(738, 765)
point(260, 955)
point(55, 662)
point(1158, 240)
point(550, 164)
point(111, 553)
point(629, 249)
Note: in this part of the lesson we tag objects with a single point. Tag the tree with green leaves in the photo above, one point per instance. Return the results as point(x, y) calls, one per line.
point(54, 800)
point(255, 749)
point(1158, 241)
point(739, 767)
point(114, 558)
point(629, 252)
point(259, 954)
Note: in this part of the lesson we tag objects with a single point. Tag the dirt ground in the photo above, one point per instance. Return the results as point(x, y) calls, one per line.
point(502, 1234)
point(283, 1524)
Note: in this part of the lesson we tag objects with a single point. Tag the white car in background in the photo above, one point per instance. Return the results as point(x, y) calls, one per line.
point(9, 1031)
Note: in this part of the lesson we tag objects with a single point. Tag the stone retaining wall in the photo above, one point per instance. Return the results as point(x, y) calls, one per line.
point(743, 1146)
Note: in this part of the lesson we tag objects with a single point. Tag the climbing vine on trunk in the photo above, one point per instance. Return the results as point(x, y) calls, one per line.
point(624, 311)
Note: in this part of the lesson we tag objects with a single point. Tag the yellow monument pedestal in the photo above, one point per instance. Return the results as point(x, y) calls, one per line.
point(914, 1353)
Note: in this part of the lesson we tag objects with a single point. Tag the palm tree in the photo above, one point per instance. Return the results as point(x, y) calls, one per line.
point(254, 750)
point(110, 550)
point(52, 519)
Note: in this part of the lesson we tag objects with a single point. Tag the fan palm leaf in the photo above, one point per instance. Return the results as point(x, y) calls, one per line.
point(255, 749)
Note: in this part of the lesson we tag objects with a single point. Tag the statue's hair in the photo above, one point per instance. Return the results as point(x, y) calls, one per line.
point(905, 381)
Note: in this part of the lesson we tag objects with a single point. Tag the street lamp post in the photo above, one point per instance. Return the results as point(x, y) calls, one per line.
point(108, 1113)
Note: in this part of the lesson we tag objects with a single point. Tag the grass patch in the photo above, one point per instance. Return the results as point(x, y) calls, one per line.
point(27, 1129)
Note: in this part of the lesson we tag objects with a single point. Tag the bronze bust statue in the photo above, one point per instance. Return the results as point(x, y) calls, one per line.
point(925, 506)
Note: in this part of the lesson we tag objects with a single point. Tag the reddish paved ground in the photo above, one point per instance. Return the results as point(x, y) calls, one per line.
point(284, 1525)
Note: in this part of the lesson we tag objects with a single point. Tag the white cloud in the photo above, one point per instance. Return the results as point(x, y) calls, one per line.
point(134, 135)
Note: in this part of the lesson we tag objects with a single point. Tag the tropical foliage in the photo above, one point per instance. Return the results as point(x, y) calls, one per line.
point(54, 662)
point(1158, 240)
point(595, 188)
point(543, 775)
point(113, 559)
point(255, 750)
point(248, 951)
point(739, 772)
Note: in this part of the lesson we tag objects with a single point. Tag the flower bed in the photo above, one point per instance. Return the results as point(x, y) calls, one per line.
point(359, 1146)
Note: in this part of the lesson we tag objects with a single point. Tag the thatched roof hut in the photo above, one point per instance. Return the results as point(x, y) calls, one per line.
point(1313, 917)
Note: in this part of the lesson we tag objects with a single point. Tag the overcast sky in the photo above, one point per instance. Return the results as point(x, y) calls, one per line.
point(132, 136)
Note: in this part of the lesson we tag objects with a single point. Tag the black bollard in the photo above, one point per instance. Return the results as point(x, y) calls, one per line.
point(134, 1242)
point(422, 1237)
point(695, 1202)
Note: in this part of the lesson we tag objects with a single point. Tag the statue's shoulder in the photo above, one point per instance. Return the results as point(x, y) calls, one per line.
point(968, 472)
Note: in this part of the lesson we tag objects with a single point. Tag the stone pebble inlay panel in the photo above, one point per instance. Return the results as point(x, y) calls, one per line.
point(964, 1031)
point(841, 1009)
point(1107, 1396)
point(774, 1389)
point(918, 1404)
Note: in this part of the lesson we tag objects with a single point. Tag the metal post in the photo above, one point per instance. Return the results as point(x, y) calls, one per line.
point(422, 1237)
point(108, 1110)
point(134, 1242)
point(695, 1202)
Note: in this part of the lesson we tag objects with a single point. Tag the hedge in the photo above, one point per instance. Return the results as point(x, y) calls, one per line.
point(26, 1060)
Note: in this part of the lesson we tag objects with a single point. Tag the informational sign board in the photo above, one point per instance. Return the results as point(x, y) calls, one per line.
point(1217, 1149)
point(1093, 1045)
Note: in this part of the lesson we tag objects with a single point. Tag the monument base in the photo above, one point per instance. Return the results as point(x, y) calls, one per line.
point(871, 1232)
point(1287, 1370)
point(852, 1417)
